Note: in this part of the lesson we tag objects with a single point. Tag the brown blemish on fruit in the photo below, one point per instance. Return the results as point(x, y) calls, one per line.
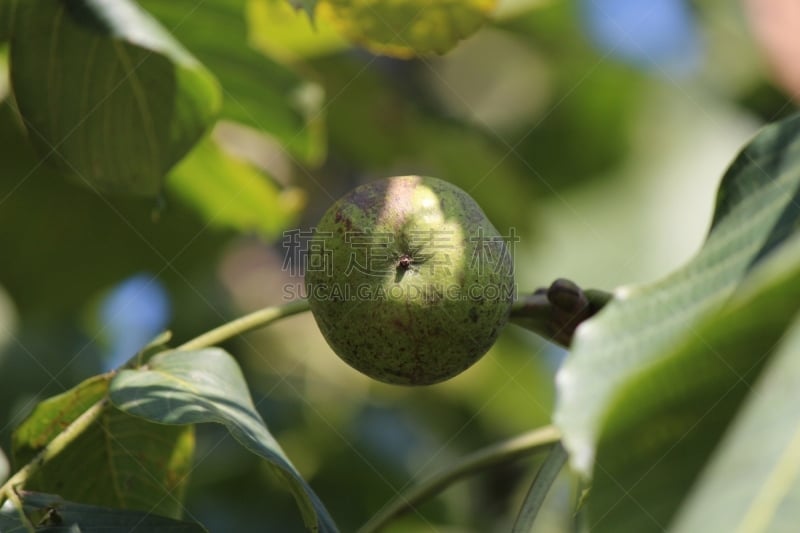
point(343, 220)
point(399, 324)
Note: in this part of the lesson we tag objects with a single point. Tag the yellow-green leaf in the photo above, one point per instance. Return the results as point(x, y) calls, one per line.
point(281, 31)
point(125, 462)
point(231, 193)
point(405, 28)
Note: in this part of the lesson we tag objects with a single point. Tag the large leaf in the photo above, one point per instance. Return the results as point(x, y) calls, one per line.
point(404, 28)
point(259, 92)
point(753, 481)
point(757, 209)
point(105, 90)
point(49, 512)
point(665, 423)
point(133, 464)
point(120, 234)
point(233, 193)
point(189, 387)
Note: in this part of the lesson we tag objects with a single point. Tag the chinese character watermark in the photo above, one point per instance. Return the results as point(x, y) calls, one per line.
point(307, 251)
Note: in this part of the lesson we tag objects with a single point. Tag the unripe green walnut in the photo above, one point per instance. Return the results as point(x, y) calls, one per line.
point(410, 282)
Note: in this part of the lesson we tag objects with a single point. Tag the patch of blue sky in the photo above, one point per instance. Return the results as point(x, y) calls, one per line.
point(655, 35)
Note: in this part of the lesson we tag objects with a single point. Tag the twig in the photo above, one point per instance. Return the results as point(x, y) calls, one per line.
point(499, 453)
point(254, 320)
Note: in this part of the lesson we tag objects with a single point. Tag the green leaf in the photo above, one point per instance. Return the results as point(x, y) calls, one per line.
point(258, 92)
point(231, 193)
point(134, 464)
point(190, 387)
point(664, 425)
point(757, 210)
point(49, 512)
point(131, 101)
point(753, 481)
point(405, 28)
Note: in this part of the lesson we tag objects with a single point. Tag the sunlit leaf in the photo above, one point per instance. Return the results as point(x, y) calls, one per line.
point(282, 32)
point(404, 28)
point(134, 464)
point(207, 386)
point(107, 95)
point(757, 209)
point(258, 91)
point(52, 513)
point(232, 193)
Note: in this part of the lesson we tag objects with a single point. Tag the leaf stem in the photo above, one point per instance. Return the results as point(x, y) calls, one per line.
point(246, 323)
point(52, 448)
point(540, 488)
point(499, 453)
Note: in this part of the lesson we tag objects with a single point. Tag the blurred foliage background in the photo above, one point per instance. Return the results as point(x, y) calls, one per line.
point(597, 130)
